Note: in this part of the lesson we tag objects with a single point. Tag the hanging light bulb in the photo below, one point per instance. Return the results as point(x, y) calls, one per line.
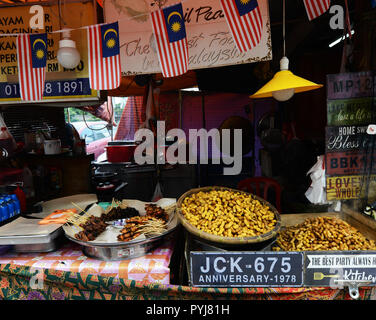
point(285, 84)
point(68, 55)
point(284, 94)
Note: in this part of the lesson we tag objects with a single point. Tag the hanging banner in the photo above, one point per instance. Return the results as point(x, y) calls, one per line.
point(60, 84)
point(210, 43)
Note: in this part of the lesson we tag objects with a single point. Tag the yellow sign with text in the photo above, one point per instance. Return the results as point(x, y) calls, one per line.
point(346, 187)
point(61, 83)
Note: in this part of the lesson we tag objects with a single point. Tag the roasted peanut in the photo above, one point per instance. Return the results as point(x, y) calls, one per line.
point(322, 233)
point(231, 214)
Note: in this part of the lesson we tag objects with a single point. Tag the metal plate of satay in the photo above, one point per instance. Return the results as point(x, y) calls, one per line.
point(107, 246)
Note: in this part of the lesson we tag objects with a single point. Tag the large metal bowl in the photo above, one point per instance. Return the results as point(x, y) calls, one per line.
point(119, 250)
point(123, 250)
point(227, 241)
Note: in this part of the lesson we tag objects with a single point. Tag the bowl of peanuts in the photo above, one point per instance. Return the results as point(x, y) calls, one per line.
point(227, 216)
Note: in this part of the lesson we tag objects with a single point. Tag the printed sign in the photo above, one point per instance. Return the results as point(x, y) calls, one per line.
point(336, 269)
point(345, 187)
point(351, 163)
point(347, 138)
point(210, 42)
point(350, 85)
point(70, 85)
point(356, 111)
point(246, 269)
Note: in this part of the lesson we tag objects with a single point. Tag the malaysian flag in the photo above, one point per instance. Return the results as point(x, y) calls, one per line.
point(316, 8)
point(104, 56)
point(245, 22)
point(32, 60)
point(171, 39)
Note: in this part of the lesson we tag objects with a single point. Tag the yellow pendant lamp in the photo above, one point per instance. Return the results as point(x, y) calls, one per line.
point(284, 83)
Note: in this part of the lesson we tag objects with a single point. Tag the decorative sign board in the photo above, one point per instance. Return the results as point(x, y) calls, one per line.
point(210, 43)
point(351, 105)
point(70, 85)
point(347, 138)
point(349, 162)
point(246, 269)
point(350, 85)
point(336, 269)
point(345, 187)
point(354, 111)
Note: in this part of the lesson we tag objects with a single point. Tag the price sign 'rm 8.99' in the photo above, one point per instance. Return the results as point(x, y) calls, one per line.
point(246, 269)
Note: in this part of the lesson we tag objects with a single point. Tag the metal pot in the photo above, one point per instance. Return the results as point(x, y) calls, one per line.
point(120, 151)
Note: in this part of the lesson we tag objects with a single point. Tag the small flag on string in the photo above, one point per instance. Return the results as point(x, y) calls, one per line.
point(171, 40)
point(316, 8)
point(104, 56)
point(32, 60)
point(245, 22)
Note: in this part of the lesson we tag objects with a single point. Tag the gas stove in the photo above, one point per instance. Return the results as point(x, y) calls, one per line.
point(123, 180)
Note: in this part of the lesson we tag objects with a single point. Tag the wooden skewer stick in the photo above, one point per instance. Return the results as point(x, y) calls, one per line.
point(82, 210)
point(80, 218)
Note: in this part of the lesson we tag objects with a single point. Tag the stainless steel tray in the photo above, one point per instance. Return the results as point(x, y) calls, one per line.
point(34, 243)
point(125, 250)
point(53, 244)
point(112, 251)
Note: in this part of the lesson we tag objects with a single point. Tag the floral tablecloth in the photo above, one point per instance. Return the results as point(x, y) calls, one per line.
point(69, 275)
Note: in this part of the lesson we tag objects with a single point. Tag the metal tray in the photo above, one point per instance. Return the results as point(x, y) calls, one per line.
point(123, 250)
point(117, 250)
point(54, 243)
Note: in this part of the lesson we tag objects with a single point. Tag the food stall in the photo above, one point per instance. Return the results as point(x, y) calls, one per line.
point(140, 226)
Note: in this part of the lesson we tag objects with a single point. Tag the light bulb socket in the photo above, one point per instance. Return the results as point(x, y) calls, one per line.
point(284, 64)
point(67, 43)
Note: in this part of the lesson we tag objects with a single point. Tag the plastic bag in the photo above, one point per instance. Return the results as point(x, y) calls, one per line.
point(316, 193)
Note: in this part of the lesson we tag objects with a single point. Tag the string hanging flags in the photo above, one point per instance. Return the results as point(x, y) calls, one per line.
point(32, 60)
point(171, 40)
point(245, 22)
point(104, 56)
point(316, 8)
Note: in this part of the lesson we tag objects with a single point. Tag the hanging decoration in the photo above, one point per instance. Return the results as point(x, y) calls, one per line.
point(245, 22)
point(171, 40)
point(32, 60)
point(284, 84)
point(316, 8)
point(68, 55)
point(243, 18)
point(104, 56)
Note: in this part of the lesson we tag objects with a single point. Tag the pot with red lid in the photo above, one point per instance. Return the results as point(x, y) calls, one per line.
point(120, 151)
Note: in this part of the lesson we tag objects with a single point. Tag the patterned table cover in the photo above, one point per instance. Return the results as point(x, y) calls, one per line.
point(67, 274)
point(153, 267)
